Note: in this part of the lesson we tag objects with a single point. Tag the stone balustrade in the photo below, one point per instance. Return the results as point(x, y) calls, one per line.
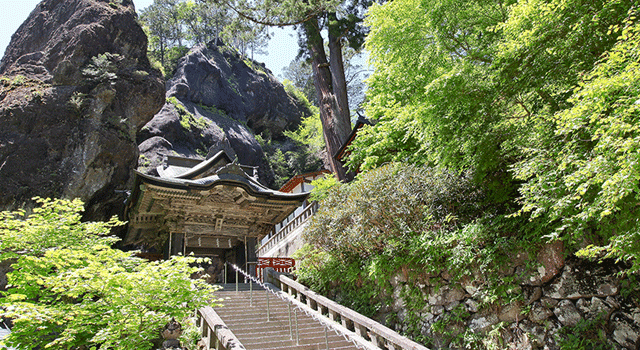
point(215, 333)
point(378, 335)
point(288, 228)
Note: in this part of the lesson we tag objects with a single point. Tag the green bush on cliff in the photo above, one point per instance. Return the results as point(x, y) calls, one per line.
point(385, 208)
point(70, 289)
point(412, 221)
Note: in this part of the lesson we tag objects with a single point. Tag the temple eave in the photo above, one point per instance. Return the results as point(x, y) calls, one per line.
point(210, 205)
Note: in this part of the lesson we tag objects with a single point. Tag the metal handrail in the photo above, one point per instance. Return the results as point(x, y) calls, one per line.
point(299, 306)
point(289, 227)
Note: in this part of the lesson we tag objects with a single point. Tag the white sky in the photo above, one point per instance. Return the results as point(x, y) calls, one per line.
point(283, 47)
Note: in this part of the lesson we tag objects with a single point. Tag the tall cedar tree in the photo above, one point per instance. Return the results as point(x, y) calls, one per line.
point(343, 21)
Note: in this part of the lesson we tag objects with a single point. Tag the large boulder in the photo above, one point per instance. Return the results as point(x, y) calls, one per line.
point(219, 100)
point(76, 86)
point(186, 129)
point(217, 76)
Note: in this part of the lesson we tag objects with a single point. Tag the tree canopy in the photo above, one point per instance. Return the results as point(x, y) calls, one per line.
point(175, 25)
point(537, 99)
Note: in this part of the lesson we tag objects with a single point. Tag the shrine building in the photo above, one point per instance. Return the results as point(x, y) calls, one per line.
point(213, 207)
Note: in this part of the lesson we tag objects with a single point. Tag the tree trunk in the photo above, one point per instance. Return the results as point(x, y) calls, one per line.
point(161, 51)
point(335, 126)
point(337, 72)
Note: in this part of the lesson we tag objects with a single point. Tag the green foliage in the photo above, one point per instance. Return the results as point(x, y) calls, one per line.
point(434, 103)
point(536, 96)
point(322, 187)
point(246, 36)
point(587, 334)
point(258, 67)
point(13, 82)
point(630, 287)
point(462, 84)
point(309, 133)
point(175, 25)
point(292, 90)
point(155, 64)
point(103, 68)
point(415, 221)
point(143, 161)
point(172, 56)
point(213, 109)
point(54, 224)
point(20, 81)
point(585, 174)
point(191, 333)
point(187, 119)
point(383, 206)
point(140, 74)
point(299, 74)
point(77, 100)
point(288, 158)
point(345, 283)
point(456, 317)
point(70, 289)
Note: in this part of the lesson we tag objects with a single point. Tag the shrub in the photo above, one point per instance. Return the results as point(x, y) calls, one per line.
point(70, 289)
point(390, 204)
point(412, 220)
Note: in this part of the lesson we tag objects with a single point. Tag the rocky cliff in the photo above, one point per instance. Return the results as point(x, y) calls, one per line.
point(217, 99)
point(75, 87)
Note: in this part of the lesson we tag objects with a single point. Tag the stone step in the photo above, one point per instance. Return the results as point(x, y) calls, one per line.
point(231, 287)
point(258, 323)
point(303, 347)
point(287, 342)
point(250, 325)
point(250, 342)
point(306, 329)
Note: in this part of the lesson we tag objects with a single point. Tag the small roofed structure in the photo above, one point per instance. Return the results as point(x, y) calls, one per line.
point(297, 183)
point(343, 151)
point(213, 207)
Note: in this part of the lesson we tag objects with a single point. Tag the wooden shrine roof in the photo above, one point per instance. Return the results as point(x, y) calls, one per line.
point(213, 201)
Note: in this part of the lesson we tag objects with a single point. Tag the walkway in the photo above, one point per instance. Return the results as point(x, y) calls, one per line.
point(268, 323)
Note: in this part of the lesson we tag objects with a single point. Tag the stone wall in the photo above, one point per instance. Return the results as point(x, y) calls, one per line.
point(576, 297)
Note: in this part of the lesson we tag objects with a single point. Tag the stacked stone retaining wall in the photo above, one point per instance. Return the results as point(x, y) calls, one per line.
point(575, 297)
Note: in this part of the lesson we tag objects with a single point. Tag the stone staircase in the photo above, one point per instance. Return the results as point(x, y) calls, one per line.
point(245, 313)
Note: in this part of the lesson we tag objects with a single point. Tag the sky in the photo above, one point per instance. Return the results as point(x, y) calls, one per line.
point(283, 47)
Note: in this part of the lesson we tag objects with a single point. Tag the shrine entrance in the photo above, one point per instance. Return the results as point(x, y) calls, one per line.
point(213, 208)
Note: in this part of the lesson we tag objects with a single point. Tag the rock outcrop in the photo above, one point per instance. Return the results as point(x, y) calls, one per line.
point(76, 85)
point(219, 100)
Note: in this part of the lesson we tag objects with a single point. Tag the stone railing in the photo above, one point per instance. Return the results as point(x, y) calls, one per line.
point(215, 333)
point(288, 228)
point(378, 335)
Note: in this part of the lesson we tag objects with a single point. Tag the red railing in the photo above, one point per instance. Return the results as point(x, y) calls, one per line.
point(278, 264)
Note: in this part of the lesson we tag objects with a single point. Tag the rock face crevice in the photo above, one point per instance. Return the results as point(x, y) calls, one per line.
point(76, 85)
point(219, 100)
